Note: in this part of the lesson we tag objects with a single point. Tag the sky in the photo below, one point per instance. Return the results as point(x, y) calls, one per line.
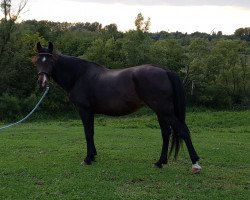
point(166, 15)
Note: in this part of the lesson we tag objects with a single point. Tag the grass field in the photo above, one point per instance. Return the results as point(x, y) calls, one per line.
point(41, 160)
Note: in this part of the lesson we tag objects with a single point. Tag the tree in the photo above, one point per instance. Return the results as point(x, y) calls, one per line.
point(136, 48)
point(243, 33)
point(198, 52)
point(5, 7)
point(75, 43)
point(168, 53)
point(219, 33)
point(219, 71)
point(111, 28)
point(141, 24)
point(96, 26)
point(96, 52)
point(233, 73)
point(7, 24)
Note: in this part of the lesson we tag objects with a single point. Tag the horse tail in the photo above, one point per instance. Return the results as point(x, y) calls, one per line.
point(179, 102)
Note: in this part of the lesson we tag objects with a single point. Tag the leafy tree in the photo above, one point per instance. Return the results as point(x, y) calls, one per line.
point(218, 71)
point(168, 53)
point(142, 25)
point(7, 24)
point(114, 57)
point(136, 48)
point(233, 72)
point(111, 28)
point(107, 53)
point(96, 26)
point(219, 33)
point(97, 51)
point(111, 31)
point(74, 43)
point(243, 33)
point(136, 44)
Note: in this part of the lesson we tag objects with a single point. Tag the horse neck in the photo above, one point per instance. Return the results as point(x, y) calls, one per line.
point(67, 70)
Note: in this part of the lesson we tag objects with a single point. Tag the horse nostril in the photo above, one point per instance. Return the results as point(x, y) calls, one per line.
point(42, 80)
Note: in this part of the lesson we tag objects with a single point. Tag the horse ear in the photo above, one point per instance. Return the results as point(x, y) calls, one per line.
point(38, 46)
point(50, 47)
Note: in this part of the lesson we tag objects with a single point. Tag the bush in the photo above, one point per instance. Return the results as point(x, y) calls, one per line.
point(9, 107)
point(29, 103)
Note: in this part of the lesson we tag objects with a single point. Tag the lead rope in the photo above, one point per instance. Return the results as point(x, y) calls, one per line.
point(31, 112)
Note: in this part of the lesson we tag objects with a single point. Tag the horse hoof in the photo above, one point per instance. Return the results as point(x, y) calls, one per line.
point(196, 168)
point(165, 162)
point(158, 165)
point(85, 163)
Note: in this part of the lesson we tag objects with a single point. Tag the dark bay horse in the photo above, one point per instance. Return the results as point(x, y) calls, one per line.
point(94, 89)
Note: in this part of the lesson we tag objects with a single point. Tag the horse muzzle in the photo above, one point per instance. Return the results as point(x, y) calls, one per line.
point(43, 80)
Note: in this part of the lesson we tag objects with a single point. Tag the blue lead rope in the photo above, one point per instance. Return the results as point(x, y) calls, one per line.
point(31, 112)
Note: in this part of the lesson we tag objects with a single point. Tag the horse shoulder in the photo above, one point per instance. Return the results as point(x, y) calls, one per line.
point(80, 93)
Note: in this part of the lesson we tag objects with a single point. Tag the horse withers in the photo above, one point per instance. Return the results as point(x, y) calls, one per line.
point(94, 89)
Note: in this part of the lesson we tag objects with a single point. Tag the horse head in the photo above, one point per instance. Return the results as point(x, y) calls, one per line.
point(44, 61)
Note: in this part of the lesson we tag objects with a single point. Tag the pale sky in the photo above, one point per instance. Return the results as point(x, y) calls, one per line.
point(167, 15)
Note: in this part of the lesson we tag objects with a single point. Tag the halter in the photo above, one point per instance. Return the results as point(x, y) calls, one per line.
point(40, 73)
point(50, 54)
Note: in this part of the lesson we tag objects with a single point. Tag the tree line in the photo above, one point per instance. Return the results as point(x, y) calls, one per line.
point(214, 67)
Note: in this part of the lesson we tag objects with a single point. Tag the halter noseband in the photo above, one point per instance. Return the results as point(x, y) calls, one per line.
point(40, 73)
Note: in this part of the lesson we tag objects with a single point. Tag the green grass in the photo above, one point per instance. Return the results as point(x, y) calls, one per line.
point(41, 160)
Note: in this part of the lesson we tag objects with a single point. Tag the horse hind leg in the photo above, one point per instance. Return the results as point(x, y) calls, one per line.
point(165, 132)
point(182, 129)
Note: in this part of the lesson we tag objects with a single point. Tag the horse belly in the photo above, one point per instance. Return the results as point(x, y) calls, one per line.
point(127, 108)
point(116, 104)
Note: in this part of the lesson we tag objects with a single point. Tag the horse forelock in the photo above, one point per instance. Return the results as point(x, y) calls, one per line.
point(53, 55)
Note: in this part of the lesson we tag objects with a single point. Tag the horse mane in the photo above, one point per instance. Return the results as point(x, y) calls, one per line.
point(56, 55)
point(85, 61)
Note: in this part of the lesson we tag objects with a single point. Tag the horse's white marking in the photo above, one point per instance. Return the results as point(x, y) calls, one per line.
point(196, 168)
point(196, 165)
point(44, 59)
point(44, 80)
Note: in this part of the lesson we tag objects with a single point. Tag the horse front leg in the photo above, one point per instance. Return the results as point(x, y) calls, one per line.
point(88, 124)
